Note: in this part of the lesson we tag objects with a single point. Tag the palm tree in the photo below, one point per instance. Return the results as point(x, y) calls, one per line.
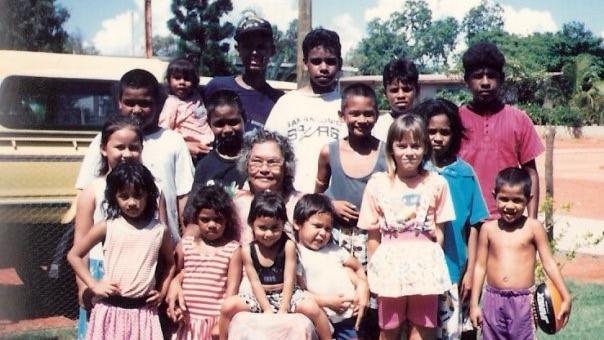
point(583, 87)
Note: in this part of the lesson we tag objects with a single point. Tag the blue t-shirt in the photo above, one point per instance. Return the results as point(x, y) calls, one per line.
point(257, 103)
point(212, 167)
point(470, 209)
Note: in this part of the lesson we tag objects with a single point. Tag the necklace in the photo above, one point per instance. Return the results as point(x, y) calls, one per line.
point(226, 156)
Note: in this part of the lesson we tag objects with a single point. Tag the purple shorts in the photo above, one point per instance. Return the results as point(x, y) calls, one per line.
point(507, 314)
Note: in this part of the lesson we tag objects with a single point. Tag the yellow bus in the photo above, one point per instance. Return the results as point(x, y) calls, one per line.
point(51, 106)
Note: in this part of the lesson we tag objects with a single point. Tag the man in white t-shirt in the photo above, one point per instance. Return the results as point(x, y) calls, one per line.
point(165, 153)
point(308, 117)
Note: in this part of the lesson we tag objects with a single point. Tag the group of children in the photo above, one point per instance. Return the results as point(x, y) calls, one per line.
point(392, 237)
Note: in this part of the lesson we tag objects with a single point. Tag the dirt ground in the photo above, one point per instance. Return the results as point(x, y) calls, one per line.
point(578, 182)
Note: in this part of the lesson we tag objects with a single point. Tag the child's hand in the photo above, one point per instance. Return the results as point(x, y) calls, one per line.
point(154, 299)
point(86, 298)
point(360, 315)
point(339, 303)
point(175, 300)
point(565, 309)
point(196, 148)
point(361, 298)
point(176, 314)
point(346, 210)
point(215, 332)
point(476, 316)
point(103, 289)
point(466, 286)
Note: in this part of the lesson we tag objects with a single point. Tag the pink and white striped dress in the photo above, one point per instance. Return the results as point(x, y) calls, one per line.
point(130, 257)
point(204, 288)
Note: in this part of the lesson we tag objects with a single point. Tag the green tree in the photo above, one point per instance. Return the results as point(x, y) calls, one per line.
point(380, 46)
point(32, 25)
point(574, 39)
point(439, 42)
point(197, 25)
point(165, 47)
point(581, 83)
point(76, 45)
point(484, 17)
point(283, 65)
point(411, 33)
point(286, 43)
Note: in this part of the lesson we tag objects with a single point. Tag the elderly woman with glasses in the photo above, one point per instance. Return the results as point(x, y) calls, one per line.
point(269, 162)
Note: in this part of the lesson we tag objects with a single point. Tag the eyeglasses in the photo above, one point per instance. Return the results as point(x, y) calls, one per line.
point(328, 61)
point(141, 103)
point(443, 132)
point(258, 163)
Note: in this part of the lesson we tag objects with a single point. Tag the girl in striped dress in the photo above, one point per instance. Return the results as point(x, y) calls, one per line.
point(209, 264)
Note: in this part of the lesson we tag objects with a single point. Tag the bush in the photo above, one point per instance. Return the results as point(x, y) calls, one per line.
point(560, 115)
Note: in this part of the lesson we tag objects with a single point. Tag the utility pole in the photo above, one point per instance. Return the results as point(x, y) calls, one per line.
point(132, 31)
point(304, 26)
point(148, 49)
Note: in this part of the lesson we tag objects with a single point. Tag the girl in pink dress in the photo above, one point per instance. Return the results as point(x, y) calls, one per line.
point(209, 264)
point(126, 299)
point(403, 211)
point(184, 111)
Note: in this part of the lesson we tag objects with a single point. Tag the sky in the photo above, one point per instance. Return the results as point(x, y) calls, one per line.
point(116, 27)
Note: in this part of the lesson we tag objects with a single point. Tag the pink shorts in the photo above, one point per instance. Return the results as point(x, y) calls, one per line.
point(420, 310)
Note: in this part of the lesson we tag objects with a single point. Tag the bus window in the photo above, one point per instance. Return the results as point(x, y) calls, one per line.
point(56, 103)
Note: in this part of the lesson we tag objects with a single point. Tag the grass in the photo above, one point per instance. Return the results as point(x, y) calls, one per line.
point(585, 319)
point(43, 334)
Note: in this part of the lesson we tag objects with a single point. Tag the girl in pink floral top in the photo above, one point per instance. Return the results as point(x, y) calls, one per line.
point(184, 111)
point(403, 211)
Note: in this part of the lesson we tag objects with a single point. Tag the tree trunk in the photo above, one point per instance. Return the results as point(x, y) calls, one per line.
point(550, 136)
point(304, 26)
point(148, 34)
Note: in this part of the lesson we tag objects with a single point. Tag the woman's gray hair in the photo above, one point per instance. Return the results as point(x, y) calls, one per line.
point(260, 136)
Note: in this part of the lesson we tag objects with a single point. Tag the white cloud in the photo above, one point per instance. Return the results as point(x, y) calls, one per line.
point(382, 9)
point(439, 8)
point(278, 12)
point(124, 34)
point(160, 14)
point(350, 32)
point(519, 21)
point(451, 8)
point(115, 36)
point(525, 21)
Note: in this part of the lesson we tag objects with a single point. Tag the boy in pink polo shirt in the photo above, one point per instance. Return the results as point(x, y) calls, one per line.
point(498, 135)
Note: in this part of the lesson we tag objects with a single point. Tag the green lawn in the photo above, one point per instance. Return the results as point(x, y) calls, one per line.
point(586, 321)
